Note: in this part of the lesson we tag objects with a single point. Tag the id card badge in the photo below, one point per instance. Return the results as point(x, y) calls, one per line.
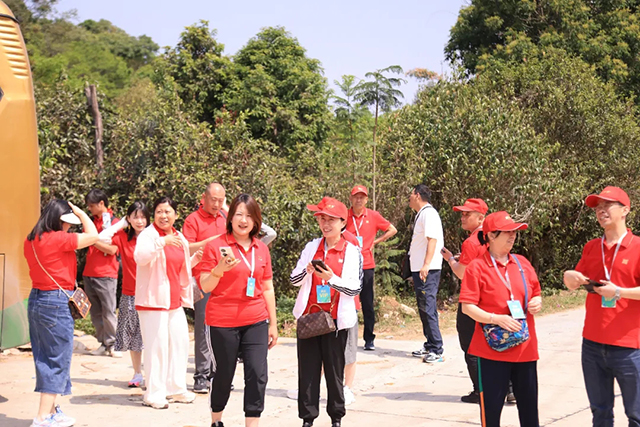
point(359, 240)
point(251, 286)
point(608, 302)
point(516, 310)
point(323, 294)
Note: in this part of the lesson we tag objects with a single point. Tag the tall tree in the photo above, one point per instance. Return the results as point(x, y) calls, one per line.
point(381, 94)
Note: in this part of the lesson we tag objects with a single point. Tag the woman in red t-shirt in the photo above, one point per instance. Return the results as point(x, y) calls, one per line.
point(123, 237)
point(50, 253)
point(502, 289)
point(241, 311)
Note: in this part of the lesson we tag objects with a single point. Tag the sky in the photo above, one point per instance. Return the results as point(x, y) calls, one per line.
point(348, 36)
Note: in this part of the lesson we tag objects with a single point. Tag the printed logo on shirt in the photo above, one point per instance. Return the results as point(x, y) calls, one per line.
point(625, 261)
point(340, 260)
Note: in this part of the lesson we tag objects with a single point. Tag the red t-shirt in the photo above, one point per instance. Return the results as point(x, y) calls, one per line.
point(99, 264)
point(366, 226)
point(56, 252)
point(229, 306)
point(126, 248)
point(471, 248)
point(175, 261)
point(201, 225)
point(335, 261)
point(618, 326)
point(482, 286)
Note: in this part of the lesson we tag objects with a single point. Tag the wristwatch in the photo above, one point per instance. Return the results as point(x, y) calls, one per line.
point(617, 295)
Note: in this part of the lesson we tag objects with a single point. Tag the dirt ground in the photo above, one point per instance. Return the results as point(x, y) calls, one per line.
point(392, 388)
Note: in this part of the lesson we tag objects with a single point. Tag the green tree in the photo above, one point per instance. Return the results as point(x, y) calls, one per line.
point(381, 94)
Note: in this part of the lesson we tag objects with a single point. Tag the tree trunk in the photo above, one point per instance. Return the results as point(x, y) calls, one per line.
point(375, 129)
point(92, 102)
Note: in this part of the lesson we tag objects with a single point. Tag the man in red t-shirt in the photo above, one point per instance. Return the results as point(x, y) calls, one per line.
point(473, 212)
point(610, 270)
point(100, 276)
point(364, 224)
point(199, 228)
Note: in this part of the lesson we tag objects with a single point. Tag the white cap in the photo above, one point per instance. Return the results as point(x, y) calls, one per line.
point(70, 218)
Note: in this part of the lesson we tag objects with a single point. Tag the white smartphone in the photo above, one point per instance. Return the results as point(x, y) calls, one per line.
point(226, 251)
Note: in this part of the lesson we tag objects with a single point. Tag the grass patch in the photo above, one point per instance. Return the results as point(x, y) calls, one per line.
point(85, 325)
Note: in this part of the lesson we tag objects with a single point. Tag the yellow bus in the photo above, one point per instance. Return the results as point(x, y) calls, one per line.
point(19, 179)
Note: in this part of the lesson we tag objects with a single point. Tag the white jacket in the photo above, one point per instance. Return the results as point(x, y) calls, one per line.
point(349, 285)
point(152, 283)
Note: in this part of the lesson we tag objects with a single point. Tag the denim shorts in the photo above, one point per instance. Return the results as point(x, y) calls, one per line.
point(51, 332)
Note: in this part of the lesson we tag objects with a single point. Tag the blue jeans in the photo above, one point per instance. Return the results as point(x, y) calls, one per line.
point(51, 332)
point(426, 293)
point(601, 364)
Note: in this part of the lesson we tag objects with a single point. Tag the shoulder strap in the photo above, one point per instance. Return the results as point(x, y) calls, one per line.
point(46, 272)
point(224, 215)
point(524, 282)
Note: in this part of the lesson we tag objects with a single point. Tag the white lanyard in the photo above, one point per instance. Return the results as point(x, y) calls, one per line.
point(326, 249)
point(607, 272)
point(504, 279)
point(357, 227)
point(253, 259)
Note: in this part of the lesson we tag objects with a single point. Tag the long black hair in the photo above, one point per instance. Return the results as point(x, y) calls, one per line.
point(137, 206)
point(484, 239)
point(50, 218)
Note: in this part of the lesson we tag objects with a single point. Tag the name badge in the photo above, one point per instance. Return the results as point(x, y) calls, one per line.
point(608, 302)
point(359, 240)
point(251, 286)
point(323, 294)
point(516, 310)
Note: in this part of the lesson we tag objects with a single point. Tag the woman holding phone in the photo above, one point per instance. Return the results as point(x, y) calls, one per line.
point(241, 311)
point(329, 274)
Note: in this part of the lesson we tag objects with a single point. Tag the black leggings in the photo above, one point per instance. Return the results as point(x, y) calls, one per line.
point(253, 341)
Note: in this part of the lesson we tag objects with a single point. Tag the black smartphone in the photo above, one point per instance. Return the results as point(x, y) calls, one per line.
point(319, 263)
point(589, 286)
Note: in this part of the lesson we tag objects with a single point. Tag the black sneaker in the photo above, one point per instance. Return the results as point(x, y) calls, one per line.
point(420, 353)
point(335, 423)
point(217, 424)
point(201, 386)
point(472, 397)
point(369, 346)
point(307, 423)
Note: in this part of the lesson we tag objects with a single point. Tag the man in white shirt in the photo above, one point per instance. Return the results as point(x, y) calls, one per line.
point(426, 265)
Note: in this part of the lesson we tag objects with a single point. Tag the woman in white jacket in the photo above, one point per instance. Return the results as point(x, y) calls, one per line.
point(331, 289)
point(162, 290)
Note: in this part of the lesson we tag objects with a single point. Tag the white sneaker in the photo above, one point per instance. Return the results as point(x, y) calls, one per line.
point(292, 394)
point(116, 354)
point(349, 398)
point(186, 397)
point(62, 419)
point(47, 422)
point(100, 351)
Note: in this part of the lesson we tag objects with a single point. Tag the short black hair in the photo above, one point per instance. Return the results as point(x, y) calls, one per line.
point(165, 199)
point(50, 218)
point(423, 191)
point(96, 196)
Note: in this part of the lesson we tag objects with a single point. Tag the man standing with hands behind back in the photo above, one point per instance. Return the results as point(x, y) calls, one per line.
point(610, 269)
point(364, 224)
point(200, 227)
point(426, 265)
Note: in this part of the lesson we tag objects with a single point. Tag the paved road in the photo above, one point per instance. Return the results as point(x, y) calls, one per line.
point(392, 388)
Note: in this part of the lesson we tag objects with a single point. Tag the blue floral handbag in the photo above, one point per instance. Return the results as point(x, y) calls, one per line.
point(498, 338)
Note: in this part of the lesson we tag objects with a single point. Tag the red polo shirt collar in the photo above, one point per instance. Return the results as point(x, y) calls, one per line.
point(206, 214)
point(231, 240)
point(487, 258)
point(338, 247)
point(625, 242)
point(162, 232)
point(353, 214)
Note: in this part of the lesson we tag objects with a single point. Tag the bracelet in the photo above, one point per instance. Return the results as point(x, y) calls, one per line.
point(215, 275)
point(451, 258)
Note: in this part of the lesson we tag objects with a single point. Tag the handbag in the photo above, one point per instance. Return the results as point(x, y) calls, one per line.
point(498, 338)
point(311, 325)
point(79, 304)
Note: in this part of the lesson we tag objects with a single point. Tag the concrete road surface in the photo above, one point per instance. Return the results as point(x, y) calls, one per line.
point(392, 388)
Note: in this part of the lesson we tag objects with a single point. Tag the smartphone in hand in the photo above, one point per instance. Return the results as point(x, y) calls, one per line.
point(319, 263)
point(592, 283)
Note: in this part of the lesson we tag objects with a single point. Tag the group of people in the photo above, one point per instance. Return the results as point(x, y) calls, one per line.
point(220, 265)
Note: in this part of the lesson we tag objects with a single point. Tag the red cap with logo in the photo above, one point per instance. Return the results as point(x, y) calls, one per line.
point(473, 205)
point(609, 194)
point(330, 206)
point(501, 221)
point(359, 189)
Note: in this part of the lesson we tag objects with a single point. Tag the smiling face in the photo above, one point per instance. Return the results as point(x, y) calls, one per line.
point(610, 214)
point(242, 223)
point(138, 221)
point(330, 225)
point(471, 220)
point(502, 243)
point(358, 201)
point(164, 217)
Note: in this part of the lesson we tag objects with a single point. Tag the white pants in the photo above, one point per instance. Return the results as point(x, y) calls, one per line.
point(165, 335)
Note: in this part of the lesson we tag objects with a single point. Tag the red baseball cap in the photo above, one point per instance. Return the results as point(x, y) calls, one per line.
point(359, 189)
point(501, 221)
point(473, 205)
point(330, 206)
point(610, 194)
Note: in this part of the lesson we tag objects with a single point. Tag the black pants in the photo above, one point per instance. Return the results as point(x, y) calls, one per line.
point(253, 341)
point(366, 298)
point(494, 379)
point(313, 353)
point(465, 326)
